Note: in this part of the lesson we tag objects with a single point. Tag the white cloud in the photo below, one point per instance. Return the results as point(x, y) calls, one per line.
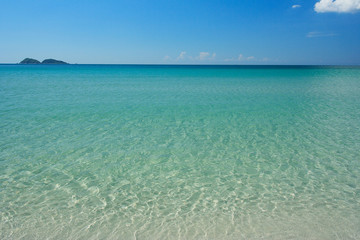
point(242, 58)
point(296, 6)
point(181, 56)
point(320, 34)
point(340, 6)
point(206, 56)
point(203, 55)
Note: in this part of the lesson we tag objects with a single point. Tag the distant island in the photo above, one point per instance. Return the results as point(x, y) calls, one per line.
point(30, 61)
point(53, 61)
point(46, 61)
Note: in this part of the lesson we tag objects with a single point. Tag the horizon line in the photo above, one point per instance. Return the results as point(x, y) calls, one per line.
point(179, 64)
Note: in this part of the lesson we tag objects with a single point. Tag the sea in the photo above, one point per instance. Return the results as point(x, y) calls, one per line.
point(179, 152)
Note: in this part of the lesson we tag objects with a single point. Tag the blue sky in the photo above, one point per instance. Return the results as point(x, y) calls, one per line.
point(181, 32)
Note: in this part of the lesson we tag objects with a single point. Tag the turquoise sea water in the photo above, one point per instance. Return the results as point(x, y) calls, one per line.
point(186, 152)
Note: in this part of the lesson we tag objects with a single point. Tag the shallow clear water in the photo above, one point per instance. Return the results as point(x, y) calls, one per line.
point(160, 152)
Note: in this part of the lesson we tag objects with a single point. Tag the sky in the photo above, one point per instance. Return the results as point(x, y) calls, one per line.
point(316, 32)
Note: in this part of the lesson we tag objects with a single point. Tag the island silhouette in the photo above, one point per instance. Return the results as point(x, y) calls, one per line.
point(46, 61)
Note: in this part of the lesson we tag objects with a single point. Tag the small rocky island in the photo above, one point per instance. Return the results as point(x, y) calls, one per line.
point(30, 61)
point(53, 61)
point(46, 61)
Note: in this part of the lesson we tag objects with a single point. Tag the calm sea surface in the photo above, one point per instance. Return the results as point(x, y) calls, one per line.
point(179, 152)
